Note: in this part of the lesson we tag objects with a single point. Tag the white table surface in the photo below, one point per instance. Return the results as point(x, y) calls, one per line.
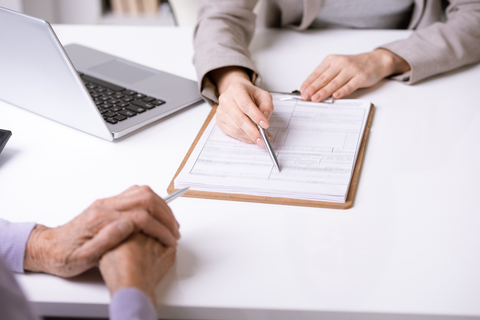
point(410, 246)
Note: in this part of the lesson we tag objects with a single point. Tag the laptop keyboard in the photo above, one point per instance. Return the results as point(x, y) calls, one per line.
point(116, 103)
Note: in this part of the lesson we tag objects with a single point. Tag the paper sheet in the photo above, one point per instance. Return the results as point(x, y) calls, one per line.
point(316, 145)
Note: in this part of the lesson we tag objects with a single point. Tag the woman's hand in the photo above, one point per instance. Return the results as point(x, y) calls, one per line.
point(240, 103)
point(340, 75)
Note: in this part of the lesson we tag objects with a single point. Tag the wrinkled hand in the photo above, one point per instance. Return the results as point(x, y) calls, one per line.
point(240, 103)
point(77, 246)
point(340, 75)
point(139, 262)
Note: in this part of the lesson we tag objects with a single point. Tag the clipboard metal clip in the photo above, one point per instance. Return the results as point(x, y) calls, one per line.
point(296, 94)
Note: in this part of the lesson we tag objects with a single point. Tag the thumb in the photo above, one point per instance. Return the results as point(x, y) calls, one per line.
point(106, 239)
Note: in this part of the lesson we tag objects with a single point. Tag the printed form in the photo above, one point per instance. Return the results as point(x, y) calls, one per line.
point(316, 145)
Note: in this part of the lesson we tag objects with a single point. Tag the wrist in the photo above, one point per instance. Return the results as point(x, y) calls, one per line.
point(393, 64)
point(36, 251)
point(224, 77)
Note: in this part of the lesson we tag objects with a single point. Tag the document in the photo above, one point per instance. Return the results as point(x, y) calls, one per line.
point(316, 145)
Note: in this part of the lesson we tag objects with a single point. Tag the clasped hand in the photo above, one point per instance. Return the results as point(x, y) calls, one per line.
point(110, 228)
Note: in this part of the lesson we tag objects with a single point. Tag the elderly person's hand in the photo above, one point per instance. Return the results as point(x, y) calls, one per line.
point(240, 103)
point(340, 75)
point(77, 246)
point(140, 262)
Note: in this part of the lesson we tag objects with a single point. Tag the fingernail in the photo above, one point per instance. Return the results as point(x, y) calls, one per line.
point(267, 114)
point(305, 96)
point(125, 227)
point(316, 97)
point(263, 124)
point(260, 143)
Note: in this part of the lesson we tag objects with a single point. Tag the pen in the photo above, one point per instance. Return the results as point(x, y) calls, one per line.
point(268, 145)
point(175, 195)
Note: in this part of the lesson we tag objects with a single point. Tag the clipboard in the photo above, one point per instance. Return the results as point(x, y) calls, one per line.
point(277, 200)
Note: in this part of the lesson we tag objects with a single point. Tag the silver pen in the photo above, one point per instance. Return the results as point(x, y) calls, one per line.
point(175, 195)
point(268, 145)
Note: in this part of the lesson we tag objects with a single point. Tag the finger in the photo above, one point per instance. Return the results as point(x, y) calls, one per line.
point(106, 239)
point(150, 226)
point(352, 85)
point(312, 77)
point(144, 197)
point(324, 79)
point(233, 131)
point(336, 83)
point(265, 105)
point(242, 125)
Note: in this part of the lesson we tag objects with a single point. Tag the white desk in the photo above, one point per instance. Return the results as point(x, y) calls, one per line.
point(410, 246)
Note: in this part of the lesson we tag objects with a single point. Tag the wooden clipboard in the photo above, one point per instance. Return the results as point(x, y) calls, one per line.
point(276, 200)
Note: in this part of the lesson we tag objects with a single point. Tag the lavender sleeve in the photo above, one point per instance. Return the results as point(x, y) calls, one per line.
point(13, 241)
point(131, 304)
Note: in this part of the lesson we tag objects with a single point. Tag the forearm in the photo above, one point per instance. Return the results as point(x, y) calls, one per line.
point(222, 36)
point(442, 47)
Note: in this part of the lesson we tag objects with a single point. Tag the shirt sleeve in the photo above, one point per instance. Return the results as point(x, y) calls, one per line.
point(131, 304)
point(442, 46)
point(13, 241)
point(221, 39)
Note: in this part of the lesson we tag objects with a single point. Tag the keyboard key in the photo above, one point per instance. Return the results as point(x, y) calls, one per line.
point(107, 105)
point(105, 98)
point(100, 103)
point(102, 111)
point(110, 114)
point(114, 101)
point(118, 96)
point(148, 99)
point(127, 99)
point(91, 86)
point(116, 109)
point(128, 92)
point(135, 109)
point(109, 93)
point(96, 95)
point(101, 89)
point(157, 102)
point(139, 96)
point(143, 104)
point(149, 106)
point(127, 113)
point(102, 83)
point(122, 104)
point(111, 120)
point(120, 118)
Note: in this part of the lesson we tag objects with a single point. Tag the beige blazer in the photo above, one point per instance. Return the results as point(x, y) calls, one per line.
point(225, 29)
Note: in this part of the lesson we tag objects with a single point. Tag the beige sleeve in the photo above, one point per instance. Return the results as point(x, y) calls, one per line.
point(223, 33)
point(442, 47)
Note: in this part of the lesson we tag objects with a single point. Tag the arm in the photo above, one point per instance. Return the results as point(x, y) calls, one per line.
point(132, 272)
point(437, 48)
point(442, 47)
point(226, 73)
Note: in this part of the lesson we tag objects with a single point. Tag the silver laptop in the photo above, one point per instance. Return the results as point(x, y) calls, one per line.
point(80, 87)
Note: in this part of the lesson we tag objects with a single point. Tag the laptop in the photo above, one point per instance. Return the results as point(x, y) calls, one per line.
point(80, 87)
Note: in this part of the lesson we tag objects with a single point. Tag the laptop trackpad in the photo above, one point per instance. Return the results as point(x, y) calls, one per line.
point(122, 71)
